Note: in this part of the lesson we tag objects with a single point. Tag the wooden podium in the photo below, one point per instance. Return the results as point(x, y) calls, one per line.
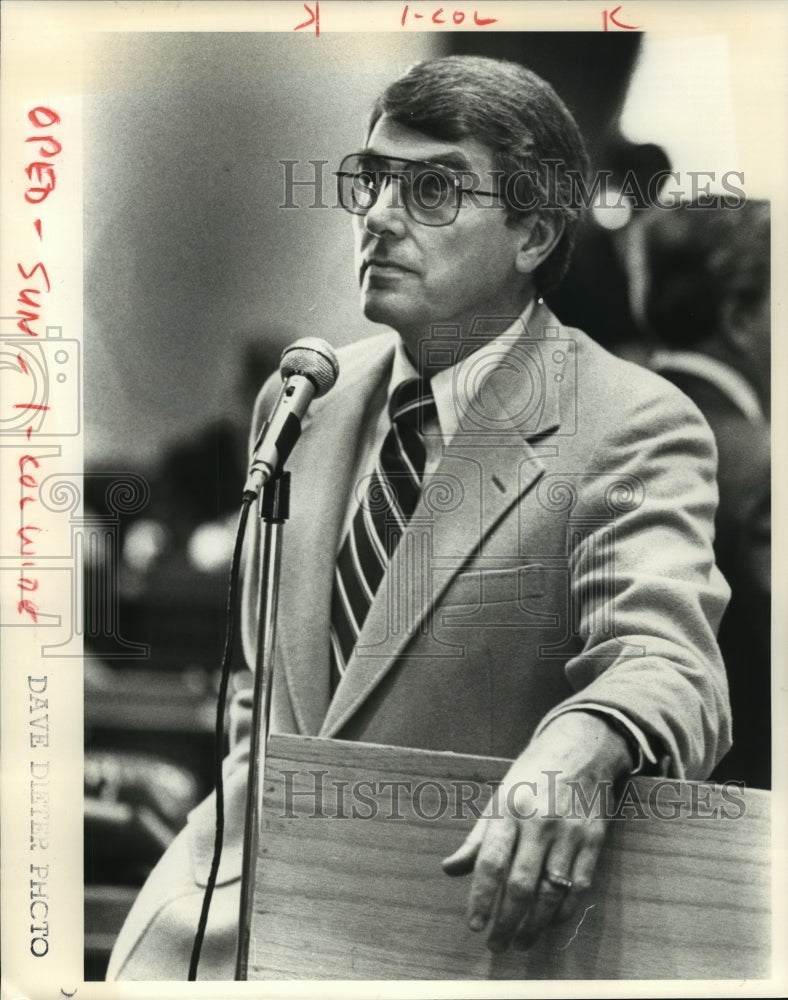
point(349, 883)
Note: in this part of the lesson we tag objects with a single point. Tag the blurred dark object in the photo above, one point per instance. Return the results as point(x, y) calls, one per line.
point(708, 303)
point(708, 286)
point(137, 719)
point(135, 803)
point(159, 578)
point(106, 908)
point(148, 759)
point(134, 806)
point(589, 71)
point(143, 782)
point(201, 479)
point(594, 293)
point(139, 790)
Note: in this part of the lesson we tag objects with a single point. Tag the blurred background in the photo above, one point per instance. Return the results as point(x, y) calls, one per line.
point(196, 277)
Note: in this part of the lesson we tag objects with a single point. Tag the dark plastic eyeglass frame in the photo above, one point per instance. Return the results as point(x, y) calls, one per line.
point(449, 172)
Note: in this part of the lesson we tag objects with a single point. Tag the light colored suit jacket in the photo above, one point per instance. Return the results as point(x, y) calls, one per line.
point(560, 556)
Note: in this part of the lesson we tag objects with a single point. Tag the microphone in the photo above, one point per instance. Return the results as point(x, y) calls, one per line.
point(309, 368)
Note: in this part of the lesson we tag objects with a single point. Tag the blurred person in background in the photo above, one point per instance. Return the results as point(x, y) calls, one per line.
point(197, 485)
point(707, 302)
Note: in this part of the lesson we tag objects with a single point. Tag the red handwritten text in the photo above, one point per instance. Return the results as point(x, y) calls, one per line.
point(314, 18)
point(441, 16)
point(25, 298)
point(26, 582)
point(39, 170)
point(609, 16)
point(43, 180)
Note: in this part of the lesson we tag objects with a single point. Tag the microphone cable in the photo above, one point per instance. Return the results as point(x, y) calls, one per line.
point(309, 368)
point(229, 641)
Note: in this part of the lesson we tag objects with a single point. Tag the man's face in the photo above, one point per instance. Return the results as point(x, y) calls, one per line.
point(413, 276)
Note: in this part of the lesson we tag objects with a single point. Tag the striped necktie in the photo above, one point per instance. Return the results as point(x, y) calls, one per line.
point(390, 498)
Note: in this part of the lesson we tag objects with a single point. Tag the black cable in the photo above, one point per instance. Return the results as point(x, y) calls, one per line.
point(248, 499)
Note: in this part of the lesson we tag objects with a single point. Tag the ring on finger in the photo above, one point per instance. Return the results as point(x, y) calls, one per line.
point(558, 880)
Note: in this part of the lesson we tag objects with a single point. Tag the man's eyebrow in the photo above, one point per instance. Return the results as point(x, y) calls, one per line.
point(450, 159)
point(453, 159)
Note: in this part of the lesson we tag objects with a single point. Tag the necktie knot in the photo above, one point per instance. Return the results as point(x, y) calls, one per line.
point(412, 402)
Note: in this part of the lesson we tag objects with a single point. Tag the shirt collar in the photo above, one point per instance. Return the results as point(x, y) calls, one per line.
point(452, 387)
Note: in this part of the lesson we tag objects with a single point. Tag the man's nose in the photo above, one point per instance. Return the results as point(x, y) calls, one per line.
point(388, 214)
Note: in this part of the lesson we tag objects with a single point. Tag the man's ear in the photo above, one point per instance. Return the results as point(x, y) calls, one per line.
point(541, 233)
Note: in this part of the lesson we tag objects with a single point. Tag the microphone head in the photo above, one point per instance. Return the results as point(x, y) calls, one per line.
point(313, 358)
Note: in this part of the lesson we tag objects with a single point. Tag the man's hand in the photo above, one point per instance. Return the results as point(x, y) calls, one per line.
point(534, 850)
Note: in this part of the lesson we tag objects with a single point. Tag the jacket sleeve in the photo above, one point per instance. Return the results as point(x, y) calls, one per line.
point(647, 597)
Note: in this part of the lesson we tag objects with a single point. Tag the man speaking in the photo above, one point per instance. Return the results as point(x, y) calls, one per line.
point(501, 535)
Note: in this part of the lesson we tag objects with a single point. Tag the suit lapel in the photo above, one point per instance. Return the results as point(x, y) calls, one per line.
point(479, 478)
point(321, 470)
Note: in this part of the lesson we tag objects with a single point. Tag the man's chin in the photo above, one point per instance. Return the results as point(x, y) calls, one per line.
point(377, 310)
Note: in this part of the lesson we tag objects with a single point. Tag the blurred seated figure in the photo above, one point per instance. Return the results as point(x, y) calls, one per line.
point(198, 484)
point(173, 553)
point(135, 803)
point(707, 303)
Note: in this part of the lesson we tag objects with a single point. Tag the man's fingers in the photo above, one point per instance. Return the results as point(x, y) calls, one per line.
point(464, 858)
point(526, 875)
point(582, 874)
point(518, 896)
point(553, 889)
point(568, 906)
point(490, 871)
point(547, 901)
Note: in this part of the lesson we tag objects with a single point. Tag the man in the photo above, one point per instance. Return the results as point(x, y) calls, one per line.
point(557, 504)
point(707, 301)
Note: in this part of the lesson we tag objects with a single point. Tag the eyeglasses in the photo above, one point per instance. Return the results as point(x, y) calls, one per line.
point(431, 193)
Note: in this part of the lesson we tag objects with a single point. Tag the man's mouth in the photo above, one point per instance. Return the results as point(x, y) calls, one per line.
point(383, 265)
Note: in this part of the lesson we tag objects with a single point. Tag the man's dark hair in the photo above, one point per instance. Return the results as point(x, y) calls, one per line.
point(518, 116)
point(696, 256)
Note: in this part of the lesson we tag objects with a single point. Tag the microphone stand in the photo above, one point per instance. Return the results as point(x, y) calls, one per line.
point(274, 511)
